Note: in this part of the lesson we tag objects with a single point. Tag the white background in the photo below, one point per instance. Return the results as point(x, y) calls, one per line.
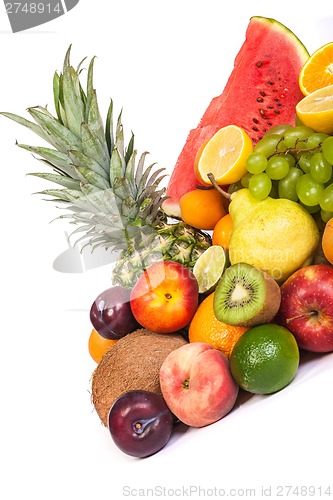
point(162, 62)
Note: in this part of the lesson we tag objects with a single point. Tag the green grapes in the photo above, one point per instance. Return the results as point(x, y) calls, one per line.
point(295, 163)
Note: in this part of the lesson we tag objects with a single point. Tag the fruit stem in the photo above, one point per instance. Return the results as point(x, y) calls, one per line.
point(305, 315)
point(217, 187)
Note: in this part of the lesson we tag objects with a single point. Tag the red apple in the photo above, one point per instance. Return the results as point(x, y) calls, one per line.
point(165, 297)
point(197, 385)
point(307, 307)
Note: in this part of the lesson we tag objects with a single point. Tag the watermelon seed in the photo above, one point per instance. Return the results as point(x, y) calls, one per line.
point(255, 120)
point(258, 64)
point(260, 99)
point(263, 94)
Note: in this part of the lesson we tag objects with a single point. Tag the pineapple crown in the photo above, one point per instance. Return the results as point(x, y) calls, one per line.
point(106, 187)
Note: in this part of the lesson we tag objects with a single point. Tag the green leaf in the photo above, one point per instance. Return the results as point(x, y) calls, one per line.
point(72, 102)
point(62, 180)
point(36, 129)
point(117, 166)
point(54, 158)
point(81, 160)
point(93, 148)
point(95, 123)
point(109, 128)
point(58, 135)
point(87, 175)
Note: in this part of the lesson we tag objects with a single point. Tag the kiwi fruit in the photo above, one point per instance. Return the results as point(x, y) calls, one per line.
point(133, 363)
point(246, 296)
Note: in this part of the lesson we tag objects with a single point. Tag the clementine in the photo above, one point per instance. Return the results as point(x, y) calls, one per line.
point(98, 345)
point(327, 241)
point(205, 327)
point(202, 208)
point(222, 232)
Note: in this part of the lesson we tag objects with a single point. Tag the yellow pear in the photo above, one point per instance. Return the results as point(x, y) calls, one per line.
point(277, 236)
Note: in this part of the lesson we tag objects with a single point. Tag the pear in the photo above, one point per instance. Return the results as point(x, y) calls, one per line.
point(277, 236)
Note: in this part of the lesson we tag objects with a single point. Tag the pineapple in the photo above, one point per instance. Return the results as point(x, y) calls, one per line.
point(109, 193)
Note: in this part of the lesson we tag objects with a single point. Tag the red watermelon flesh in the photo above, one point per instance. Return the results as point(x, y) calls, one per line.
point(262, 91)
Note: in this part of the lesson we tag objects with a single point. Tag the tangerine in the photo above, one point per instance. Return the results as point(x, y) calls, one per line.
point(222, 232)
point(327, 241)
point(205, 327)
point(98, 345)
point(202, 208)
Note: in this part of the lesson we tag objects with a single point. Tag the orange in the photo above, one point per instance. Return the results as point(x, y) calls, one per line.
point(224, 156)
point(98, 345)
point(317, 72)
point(327, 241)
point(202, 208)
point(222, 232)
point(205, 327)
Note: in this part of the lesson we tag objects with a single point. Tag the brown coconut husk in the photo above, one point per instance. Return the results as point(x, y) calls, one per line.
point(133, 363)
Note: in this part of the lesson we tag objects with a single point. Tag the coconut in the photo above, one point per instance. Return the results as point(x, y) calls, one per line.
point(133, 363)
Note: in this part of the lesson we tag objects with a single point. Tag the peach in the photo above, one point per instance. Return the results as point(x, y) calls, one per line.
point(197, 385)
point(165, 297)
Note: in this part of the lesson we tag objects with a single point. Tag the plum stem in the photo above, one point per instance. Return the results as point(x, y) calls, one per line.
point(305, 315)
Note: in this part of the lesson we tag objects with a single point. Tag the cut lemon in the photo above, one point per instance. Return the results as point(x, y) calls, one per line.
point(224, 156)
point(316, 110)
point(209, 268)
point(317, 72)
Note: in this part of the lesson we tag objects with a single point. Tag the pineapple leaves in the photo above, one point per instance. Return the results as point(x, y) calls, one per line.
point(62, 180)
point(36, 129)
point(57, 134)
point(71, 96)
point(109, 128)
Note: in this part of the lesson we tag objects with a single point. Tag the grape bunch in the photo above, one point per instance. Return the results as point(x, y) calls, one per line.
point(293, 163)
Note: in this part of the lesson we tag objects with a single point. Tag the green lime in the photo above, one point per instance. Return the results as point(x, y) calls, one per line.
point(265, 359)
point(209, 268)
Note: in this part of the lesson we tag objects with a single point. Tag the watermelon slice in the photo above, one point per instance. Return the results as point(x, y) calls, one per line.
point(262, 91)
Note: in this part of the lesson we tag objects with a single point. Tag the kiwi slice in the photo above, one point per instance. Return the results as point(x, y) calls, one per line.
point(246, 296)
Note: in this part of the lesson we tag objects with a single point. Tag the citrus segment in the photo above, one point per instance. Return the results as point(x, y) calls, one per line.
point(209, 268)
point(317, 72)
point(265, 359)
point(224, 156)
point(205, 327)
point(316, 110)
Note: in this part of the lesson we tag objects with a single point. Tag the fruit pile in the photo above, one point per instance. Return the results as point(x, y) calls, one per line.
point(225, 298)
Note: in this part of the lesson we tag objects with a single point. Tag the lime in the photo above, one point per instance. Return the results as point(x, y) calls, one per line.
point(209, 268)
point(265, 359)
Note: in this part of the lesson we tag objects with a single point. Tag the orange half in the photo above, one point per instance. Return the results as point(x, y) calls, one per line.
point(317, 72)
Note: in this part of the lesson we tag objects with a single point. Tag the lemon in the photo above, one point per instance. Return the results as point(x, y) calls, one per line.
point(209, 268)
point(317, 72)
point(316, 110)
point(265, 359)
point(224, 156)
